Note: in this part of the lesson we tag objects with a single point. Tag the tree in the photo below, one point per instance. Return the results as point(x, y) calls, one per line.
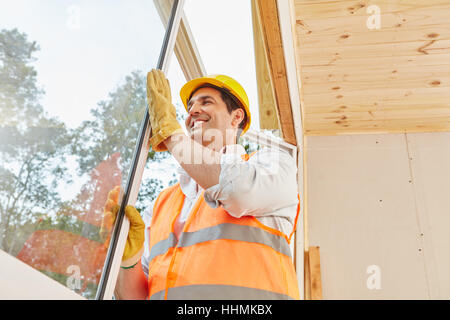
point(115, 129)
point(73, 239)
point(32, 144)
point(35, 224)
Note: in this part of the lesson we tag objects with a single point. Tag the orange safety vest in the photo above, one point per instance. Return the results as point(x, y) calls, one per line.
point(217, 256)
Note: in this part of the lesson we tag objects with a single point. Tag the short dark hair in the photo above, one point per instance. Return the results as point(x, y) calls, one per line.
point(230, 100)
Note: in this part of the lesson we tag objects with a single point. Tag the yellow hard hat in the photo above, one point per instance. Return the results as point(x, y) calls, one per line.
point(220, 81)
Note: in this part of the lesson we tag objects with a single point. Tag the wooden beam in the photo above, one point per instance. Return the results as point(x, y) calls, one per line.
point(314, 274)
point(185, 48)
point(274, 49)
point(268, 113)
point(307, 276)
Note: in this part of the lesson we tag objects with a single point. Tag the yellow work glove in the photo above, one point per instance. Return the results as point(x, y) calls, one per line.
point(163, 117)
point(134, 247)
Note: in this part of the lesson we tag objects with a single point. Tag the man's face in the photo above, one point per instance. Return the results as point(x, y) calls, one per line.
point(208, 118)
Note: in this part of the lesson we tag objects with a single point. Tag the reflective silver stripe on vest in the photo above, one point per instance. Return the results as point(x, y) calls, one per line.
point(228, 231)
point(162, 246)
point(233, 231)
point(218, 292)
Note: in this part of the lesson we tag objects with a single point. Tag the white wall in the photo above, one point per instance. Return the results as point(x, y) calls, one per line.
point(381, 200)
point(19, 281)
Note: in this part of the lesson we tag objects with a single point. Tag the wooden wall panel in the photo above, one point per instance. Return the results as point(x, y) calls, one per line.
point(430, 167)
point(387, 80)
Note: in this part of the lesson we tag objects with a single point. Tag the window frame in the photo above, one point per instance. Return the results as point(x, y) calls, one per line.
point(119, 234)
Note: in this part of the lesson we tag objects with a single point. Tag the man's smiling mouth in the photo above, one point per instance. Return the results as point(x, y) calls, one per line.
point(198, 123)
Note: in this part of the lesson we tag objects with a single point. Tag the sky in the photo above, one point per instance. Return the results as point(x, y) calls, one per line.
point(224, 35)
point(87, 47)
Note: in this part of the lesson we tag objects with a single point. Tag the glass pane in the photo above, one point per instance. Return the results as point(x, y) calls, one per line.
point(72, 96)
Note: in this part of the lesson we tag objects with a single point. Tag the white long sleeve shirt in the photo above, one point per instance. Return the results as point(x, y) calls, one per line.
point(265, 186)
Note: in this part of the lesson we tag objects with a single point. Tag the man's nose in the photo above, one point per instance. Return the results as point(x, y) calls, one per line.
point(195, 108)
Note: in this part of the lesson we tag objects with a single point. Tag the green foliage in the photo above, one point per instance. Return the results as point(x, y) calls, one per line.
point(249, 146)
point(32, 144)
point(87, 290)
point(115, 127)
point(19, 94)
point(150, 188)
point(70, 224)
point(35, 148)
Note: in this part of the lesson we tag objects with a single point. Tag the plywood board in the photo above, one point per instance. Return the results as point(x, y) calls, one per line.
point(430, 167)
point(362, 214)
point(19, 281)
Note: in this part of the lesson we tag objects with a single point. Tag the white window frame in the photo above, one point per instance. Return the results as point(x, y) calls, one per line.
point(113, 260)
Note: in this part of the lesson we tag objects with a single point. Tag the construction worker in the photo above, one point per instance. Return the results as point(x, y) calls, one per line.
point(222, 231)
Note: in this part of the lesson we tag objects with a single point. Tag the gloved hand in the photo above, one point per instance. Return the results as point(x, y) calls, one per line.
point(134, 247)
point(163, 117)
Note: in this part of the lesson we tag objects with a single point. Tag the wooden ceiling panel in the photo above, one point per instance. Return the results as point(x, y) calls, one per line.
point(357, 80)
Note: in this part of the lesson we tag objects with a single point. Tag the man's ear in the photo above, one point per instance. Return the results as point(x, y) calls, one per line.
point(238, 116)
